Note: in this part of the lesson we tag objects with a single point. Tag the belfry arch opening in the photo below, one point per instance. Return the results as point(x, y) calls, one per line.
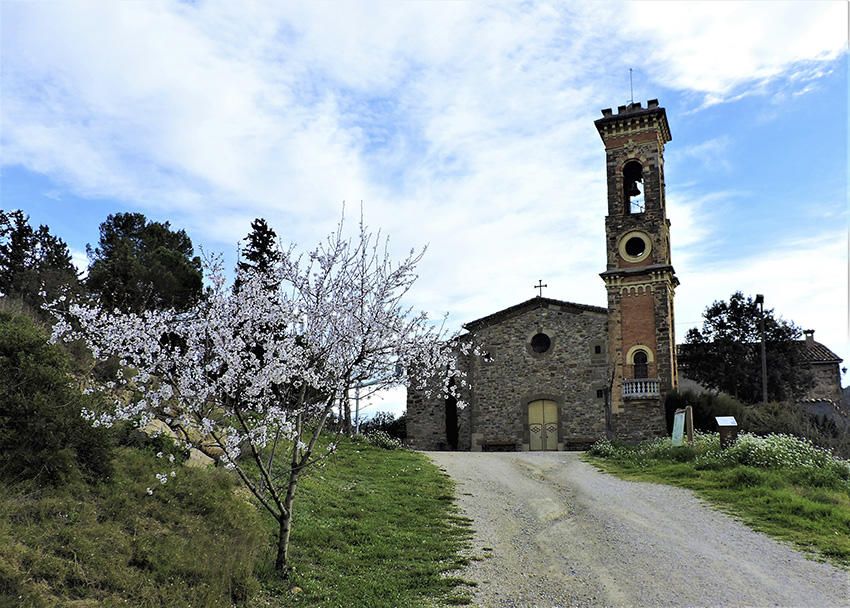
point(633, 193)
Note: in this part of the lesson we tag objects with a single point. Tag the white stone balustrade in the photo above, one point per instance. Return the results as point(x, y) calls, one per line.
point(641, 388)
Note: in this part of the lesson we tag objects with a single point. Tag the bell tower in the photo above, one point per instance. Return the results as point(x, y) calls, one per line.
point(639, 277)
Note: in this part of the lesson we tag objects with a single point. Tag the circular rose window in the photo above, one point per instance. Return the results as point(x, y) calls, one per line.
point(540, 343)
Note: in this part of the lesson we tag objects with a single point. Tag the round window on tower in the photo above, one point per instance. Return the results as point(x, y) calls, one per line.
point(540, 343)
point(635, 246)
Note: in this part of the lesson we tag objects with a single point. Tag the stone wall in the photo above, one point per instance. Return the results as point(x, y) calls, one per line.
point(501, 385)
point(426, 420)
point(827, 382)
point(571, 373)
point(639, 420)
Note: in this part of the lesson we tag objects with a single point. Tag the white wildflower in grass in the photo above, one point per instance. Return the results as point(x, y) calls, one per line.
point(149, 492)
point(774, 451)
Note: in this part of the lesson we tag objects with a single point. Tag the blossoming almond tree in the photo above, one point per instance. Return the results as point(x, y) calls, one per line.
point(260, 368)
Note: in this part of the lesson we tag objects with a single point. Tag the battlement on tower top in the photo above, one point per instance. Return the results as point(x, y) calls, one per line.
point(632, 118)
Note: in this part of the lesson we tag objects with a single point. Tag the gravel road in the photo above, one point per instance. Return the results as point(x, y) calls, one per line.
point(563, 534)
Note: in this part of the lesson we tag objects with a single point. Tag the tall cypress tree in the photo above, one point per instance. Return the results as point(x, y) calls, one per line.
point(262, 251)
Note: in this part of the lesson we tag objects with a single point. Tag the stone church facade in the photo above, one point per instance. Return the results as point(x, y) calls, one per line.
point(559, 375)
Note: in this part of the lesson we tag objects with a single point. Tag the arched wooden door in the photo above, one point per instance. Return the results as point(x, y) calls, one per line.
point(543, 425)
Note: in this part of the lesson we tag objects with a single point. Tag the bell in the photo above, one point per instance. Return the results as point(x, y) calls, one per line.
point(633, 189)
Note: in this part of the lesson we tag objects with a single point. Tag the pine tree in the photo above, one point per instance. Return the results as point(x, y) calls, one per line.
point(140, 265)
point(32, 261)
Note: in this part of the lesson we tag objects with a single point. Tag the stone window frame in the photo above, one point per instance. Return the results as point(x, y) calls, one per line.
point(552, 342)
point(630, 355)
point(621, 245)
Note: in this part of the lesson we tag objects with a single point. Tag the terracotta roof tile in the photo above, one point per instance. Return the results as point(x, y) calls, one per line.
point(816, 352)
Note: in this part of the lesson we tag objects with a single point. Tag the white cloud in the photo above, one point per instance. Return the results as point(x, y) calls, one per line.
point(467, 126)
point(80, 261)
point(717, 48)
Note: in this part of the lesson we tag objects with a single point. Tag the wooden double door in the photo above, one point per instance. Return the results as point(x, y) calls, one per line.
point(543, 425)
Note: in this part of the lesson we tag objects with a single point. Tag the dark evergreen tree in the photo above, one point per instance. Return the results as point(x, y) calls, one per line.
point(32, 261)
point(139, 265)
point(262, 251)
point(726, 355)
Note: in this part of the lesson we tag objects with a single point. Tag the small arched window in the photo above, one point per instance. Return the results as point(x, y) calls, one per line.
point(641, 366)
point(633, 199)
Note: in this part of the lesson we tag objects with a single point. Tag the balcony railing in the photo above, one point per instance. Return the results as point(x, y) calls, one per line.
point(641, 388)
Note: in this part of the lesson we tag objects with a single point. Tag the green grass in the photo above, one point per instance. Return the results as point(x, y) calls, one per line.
point(807, 507)
point(374, 528)
point(194, 542)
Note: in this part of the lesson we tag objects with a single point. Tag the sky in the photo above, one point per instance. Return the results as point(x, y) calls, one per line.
point(466, 127)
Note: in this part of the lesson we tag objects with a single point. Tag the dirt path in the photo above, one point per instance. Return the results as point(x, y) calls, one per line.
point(563, 534)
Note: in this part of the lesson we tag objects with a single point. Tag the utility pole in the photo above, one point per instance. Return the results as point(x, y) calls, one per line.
point(760, 302)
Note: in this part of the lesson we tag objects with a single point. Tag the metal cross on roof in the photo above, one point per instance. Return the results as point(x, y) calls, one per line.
point(540, 285)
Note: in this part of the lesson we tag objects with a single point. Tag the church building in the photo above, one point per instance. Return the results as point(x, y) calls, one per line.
point(559, 375)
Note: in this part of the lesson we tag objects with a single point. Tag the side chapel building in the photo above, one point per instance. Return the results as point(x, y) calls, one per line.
point(559, 375)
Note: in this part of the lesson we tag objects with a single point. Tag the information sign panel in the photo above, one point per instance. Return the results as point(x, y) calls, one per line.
point(678, 427)
point(726, 421)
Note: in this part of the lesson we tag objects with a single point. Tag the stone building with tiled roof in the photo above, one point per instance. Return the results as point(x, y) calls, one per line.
point(825, 367)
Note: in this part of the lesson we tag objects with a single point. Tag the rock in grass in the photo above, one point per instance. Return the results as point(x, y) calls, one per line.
point(197, 459)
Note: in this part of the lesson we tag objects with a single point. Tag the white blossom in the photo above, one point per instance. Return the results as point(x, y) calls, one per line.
point(249, 366)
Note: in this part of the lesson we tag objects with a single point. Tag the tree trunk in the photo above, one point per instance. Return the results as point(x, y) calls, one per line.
point(281, 563)
point(346, 417)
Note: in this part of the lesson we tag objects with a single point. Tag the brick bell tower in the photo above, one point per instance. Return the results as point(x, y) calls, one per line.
point(639, 278)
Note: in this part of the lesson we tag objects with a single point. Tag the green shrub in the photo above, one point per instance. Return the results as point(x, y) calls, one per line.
point(750, 451)
point(388, 423)
point(194, 542)
point(656, 450)
point(706, 406)
point(788, 418)
point(42, 434)
point(777, 451)
point(382, 439)
point(604, 448)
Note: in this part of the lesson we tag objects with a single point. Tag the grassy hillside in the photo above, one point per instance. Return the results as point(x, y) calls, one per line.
point(373, 528)
point(194, 542)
